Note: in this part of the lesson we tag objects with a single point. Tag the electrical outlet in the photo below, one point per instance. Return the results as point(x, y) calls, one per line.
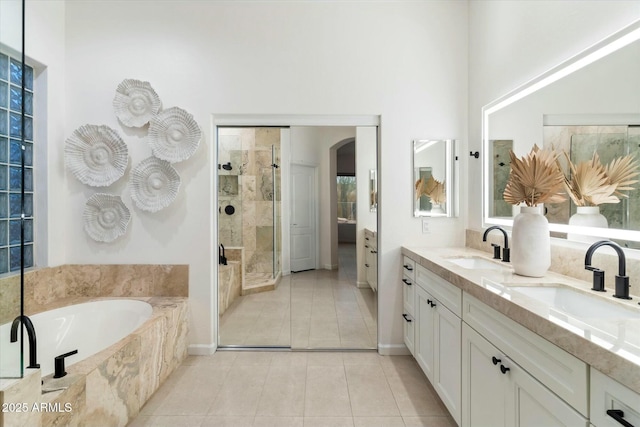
point(425, 226)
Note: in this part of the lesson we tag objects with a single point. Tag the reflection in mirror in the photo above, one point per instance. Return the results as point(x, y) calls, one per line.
point(433, 177)
point(589, 104)
point(373, 190)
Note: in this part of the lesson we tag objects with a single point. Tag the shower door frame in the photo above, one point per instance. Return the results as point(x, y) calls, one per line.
point(282, 121)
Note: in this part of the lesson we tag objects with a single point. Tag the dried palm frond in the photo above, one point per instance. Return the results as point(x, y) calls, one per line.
point(435, 190)
point(534, 179)
point(420, 188)
point(620, 172)
point(592, 184)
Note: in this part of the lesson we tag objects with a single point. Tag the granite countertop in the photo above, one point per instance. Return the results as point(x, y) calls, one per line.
point(612, 346)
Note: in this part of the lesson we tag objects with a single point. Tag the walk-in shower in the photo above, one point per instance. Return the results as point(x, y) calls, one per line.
point(249, 206)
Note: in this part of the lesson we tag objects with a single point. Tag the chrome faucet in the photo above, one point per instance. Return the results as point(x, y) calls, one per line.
point(496, 248)
point(622, 280)
point(31, 331)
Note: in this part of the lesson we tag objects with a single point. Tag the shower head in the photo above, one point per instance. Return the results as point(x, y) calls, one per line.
point(227, 166)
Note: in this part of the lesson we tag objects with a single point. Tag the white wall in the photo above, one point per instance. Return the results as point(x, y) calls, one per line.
point(512, 42)
point(406, 61)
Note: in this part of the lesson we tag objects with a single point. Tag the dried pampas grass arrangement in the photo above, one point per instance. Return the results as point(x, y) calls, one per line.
point(590, 183)
point(535, 178)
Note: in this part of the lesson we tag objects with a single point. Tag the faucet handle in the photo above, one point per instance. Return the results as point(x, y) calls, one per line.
point(598, 278)
point(496, 251)
point(506, 254)
point(59, 364)
point(622, 287)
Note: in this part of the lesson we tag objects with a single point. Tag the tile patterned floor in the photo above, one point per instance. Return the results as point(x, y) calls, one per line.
point(295, 389)
point(311, 309)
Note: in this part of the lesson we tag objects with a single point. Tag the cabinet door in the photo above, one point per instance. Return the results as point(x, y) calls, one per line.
point(409, 325)
point(425, 317)
point(483, 385)
point(448, 331)
point(530, 404)
point(373, 282)
point(408, 294)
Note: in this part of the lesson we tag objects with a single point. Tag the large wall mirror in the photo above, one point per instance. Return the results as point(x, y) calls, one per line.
point(434, 177)
point(589, 104)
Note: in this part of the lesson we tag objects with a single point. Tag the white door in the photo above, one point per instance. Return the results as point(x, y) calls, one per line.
point(303, 218)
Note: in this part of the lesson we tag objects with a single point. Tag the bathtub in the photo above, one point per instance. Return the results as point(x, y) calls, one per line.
point(126, 349)
point(88, 327)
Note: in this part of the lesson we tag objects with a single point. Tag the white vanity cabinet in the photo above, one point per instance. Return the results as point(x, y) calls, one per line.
point(611, 400)
point(371, 258)
point(438, 336)
point(408, 302)
point(534, 382)
point(499, 393)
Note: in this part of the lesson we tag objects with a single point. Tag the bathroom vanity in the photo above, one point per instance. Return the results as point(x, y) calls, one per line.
point(507, 350)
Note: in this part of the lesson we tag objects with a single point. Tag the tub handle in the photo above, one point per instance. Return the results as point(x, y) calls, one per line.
point(59, 364)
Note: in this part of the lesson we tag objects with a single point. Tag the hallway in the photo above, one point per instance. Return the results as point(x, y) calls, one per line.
point(312, 309)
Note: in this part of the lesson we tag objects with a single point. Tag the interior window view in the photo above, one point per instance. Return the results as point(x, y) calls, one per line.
point(262, 213)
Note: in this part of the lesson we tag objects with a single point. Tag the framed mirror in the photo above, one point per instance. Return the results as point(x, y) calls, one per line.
point(588, 104)
point(434, 177)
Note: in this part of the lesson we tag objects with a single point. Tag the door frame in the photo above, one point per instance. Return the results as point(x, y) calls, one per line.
point(273, 120)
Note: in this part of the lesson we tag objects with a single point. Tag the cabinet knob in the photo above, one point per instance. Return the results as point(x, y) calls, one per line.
point(504, 369)
point(431, 303)
point(406, 282)
point(408, 267)
point(618, 415)
point(495, 360)
point(406, 318)
point(366, 265)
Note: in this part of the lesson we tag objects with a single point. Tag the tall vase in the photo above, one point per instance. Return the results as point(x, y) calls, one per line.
point(587, 216)
point(531, 251)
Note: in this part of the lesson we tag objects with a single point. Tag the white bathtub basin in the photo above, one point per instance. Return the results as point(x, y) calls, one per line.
point(476, 263)
point(576, 303)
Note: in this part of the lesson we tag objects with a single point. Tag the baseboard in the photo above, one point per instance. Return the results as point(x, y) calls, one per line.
point(362, 285)
point(201, 349)
point(330, 266)
point(393, 350)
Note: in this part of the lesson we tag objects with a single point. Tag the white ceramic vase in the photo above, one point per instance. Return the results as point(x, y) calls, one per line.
point(531, 247)
point(436, 208)
point(587, 216)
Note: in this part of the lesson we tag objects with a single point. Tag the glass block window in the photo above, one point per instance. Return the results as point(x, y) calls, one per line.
point(11, 101)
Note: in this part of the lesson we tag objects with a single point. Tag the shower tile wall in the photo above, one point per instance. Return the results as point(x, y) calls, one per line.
point(251, 225)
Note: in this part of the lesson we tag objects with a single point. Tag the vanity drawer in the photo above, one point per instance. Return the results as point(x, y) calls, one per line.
point(409, 268)
point(608, 394)
point(559, 371)
point(443, 291)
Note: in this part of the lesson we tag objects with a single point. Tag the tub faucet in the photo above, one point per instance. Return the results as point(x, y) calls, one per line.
point(496, 248)
point(31, 331)
point(622, 280)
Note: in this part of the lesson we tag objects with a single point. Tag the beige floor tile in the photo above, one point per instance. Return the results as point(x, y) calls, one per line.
point(429, 422)
point(283, 392)
point(361, 358)
point(278, 422)
point(325, 358)
point(241, 391)
point(328, 422)
point(289, 358)
point(167, 421)
point(415, 397)
point(326, 392)
point(218, 421)
point(253, 358)
point(369, 391)
point(378, 422)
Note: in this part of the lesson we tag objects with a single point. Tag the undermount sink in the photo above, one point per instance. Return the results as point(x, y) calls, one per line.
point(576, 303)
point(475, 263)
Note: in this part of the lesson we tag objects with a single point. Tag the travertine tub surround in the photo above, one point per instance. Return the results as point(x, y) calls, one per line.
point(110, 387)
point(623, 368)
point(49, 288)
